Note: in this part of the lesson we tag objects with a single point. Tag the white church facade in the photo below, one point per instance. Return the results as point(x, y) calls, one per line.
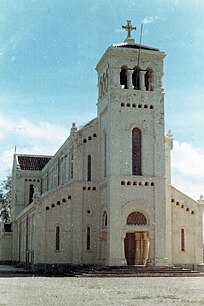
point(106, 197)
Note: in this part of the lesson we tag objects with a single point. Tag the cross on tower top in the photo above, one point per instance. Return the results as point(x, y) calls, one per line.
point(128, 27)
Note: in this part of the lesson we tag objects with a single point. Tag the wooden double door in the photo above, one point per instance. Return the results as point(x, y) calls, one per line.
point(136, 248)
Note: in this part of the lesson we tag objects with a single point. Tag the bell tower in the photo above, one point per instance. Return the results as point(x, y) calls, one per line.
point(132, 151)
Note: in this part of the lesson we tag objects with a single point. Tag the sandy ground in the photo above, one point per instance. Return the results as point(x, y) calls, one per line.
point(31, 291)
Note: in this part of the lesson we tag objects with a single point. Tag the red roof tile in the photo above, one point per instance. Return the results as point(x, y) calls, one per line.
point(32, 162)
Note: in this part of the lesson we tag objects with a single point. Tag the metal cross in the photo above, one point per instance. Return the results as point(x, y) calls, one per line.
point(128, 27)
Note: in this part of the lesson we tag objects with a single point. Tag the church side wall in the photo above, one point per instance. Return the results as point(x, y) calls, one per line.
point(72, 208)
point(69, 205)
point(187, 230)
point(23, 238)
point(6, 246)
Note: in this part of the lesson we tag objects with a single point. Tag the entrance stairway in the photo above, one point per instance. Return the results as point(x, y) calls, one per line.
point(137, 271)
point(99, 271)
point(13, 271)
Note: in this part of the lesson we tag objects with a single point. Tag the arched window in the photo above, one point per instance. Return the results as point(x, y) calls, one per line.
point(72, 164)
point(182, 240)
point(31, 193)
point(136, 152)
point(104, 83)
point(89, 168)
point(136, 218)
point(149, 79)
point(57, 238)
point(101, 88)
point(107, 80)
point(104, 219)
point(105, 153)
point(58, 172)
point(123, 76)
point(136, 78)
point(88, 238)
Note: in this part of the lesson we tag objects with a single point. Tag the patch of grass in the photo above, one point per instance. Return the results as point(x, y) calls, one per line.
point(170, 297)
point(142, 297)
point(189, 302)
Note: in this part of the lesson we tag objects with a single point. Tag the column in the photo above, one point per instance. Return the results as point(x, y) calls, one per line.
point(142, 80)
point(137, 248)
point(129, 79)
point(115, 78)
point(151, 260)
point(145, 248)
point(123, 259)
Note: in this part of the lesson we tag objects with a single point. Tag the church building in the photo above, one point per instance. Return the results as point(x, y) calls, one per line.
point(106, 197)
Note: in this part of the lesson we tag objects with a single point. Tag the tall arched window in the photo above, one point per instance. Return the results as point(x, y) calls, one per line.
point(149, 79)
point(88, 238)
point(104, 82)
point(107, 80)
point(57, 238)
point(58, 172)
point(72, 164)
point(136, 152)
point(123, 76)
point(101, 88)
point(136, 78)
point(89, 168)
point(105, 154)
point(182, 240)
point(104, 219)
point(31, 193)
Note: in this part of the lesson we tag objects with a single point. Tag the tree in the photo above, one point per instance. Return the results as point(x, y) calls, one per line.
point(5, 199)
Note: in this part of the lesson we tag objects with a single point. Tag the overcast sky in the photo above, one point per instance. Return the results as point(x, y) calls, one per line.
point(48, 54)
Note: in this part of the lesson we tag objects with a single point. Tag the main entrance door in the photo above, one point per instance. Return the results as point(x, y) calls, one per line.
point(136, 248)
point(130, 248)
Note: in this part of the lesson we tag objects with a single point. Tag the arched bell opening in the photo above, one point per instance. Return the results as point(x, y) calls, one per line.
point(123, 77)
point(149, 80)
point(136, 78)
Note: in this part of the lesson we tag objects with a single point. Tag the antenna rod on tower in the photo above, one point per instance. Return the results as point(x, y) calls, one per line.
point(138, 62)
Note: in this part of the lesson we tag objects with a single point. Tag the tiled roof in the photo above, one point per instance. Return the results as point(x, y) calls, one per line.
point(135, 46)
point(93, 121)
point(32, 162)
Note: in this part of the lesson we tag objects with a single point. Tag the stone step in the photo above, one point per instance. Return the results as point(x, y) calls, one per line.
point(6, 270)
point(139, 272)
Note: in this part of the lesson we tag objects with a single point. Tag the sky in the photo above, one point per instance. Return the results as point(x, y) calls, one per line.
point(48, 54)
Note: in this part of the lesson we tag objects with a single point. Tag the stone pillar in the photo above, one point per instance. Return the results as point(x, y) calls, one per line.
point(129, 79)
point(142, 80)
point(137, 248)
point(115, 78)
point(152, 81)
point(151, 260)
point(123, 259)
point(145, 248)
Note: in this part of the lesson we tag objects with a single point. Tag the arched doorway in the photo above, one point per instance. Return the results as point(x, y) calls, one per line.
point(136, 248)
point(136, 243)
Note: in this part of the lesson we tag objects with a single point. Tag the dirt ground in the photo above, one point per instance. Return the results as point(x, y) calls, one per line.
point(31, 291)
